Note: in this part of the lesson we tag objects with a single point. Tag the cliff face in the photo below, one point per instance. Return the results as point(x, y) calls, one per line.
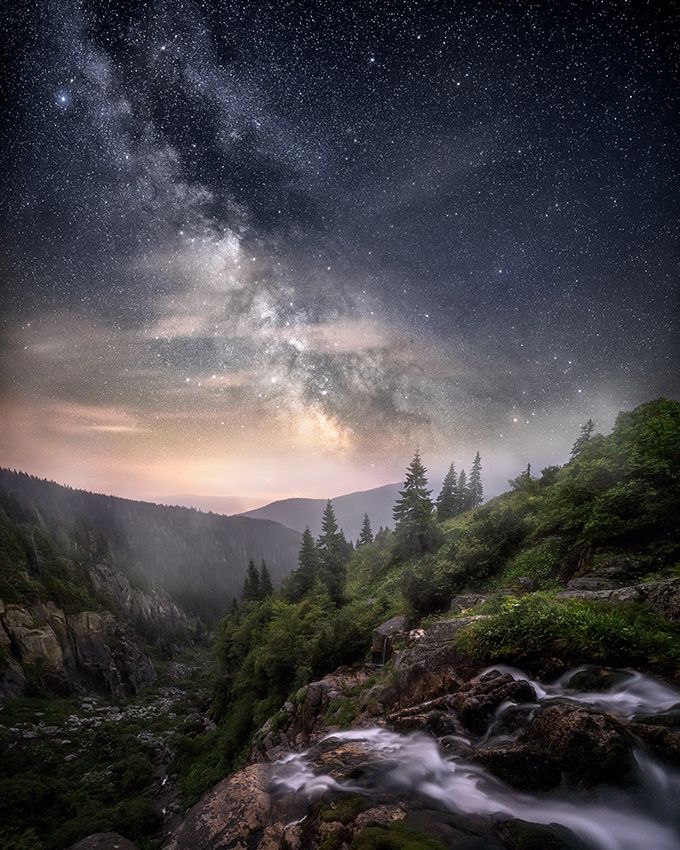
point(99, 650)
point(87, 650)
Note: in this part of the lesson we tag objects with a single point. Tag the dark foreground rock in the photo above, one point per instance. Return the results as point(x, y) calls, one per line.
point(104, 841)
point(589, 746)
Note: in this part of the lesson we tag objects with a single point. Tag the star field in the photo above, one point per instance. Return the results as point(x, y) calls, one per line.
point(268, 248)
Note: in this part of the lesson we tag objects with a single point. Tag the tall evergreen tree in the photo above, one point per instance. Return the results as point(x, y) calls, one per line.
point(413, 512)
point(447, 500)
point(462, 492)
point(366, 535)
point(583, 438)
point(251, 585)
point(266, 586)
point(475, 489)
point(333, 554)
point(303, 579)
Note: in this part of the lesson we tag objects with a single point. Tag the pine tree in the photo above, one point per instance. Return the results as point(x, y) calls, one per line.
point(306, 575)
point(366, 535)
point(333, 554)
point(413, 512)
point(251, 585)
point(447, 500)
point(583, 438)
point(475, 489)
point(266, 586)
point(462, 492)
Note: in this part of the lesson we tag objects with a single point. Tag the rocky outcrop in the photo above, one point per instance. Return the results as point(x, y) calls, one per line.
point(663, 597)
point(590, 747)
point(309, 714)
point(88, 650)
point(150, 611)
point(233, 816)
point(382, 641)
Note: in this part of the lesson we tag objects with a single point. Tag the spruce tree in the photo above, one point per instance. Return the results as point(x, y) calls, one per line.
point(413, 512)
point(462, 492)
point(366, 535)
point(305, 576)
point(447, 500)
point(583, 438)
point(475, 489)
point(266, 586)
point(333, 554)
point(251, 585)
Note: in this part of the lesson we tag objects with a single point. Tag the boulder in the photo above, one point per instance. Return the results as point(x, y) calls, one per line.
point(233, 816)
point(662, 597)
point(521, 765)
point(104, 841)
point(477, 702)
point(432, 666)
point(382, 641)
point(663, 741)
point(590, 747)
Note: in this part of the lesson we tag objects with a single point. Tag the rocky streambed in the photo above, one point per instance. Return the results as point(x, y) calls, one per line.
point(438, 756)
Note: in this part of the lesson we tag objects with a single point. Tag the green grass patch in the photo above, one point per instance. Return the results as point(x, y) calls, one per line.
point(540, 625)
point(397, 836)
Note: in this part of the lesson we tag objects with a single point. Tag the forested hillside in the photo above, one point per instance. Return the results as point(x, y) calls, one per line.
point(198, 559)
point(609, 516)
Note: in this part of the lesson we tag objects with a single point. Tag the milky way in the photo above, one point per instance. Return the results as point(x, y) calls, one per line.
point(270, 248)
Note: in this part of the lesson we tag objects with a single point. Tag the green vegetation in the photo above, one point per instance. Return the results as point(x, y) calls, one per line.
point(66, 792)
point(614, 501)
point(396, 836)
point(526, 629)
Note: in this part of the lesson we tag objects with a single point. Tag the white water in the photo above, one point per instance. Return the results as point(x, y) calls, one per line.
point(635, 694)
point(645, 816)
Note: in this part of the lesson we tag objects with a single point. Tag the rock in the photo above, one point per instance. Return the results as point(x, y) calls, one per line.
point(71, 652)
point(663, 741)
point(432, 666)
point(233, 816)
point(662, 597)
point(599, 679)
point(104, 841)
point(520, 835)
point(521, 765)
point(466, 601)
point(383, 639)
point(591, 747)
point(590, 583)
point(477, 703)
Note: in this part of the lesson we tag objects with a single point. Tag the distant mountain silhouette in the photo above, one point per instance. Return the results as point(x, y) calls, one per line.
point(199, 559)
point(349, 510)
point(227, 505)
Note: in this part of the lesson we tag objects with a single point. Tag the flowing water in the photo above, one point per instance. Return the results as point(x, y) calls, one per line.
point(645, 815)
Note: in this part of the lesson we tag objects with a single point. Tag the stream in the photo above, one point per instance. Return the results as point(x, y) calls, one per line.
point(643, 814)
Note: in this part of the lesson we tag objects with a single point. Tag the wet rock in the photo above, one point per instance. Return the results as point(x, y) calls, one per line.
point(432, 666)
point(598, 679)
point(520, 835)
point(591, 747)
point(382, 641)
point(233, 816)
point(461, 832)
point(436, 717)
point(663, 741)
point(104, 841)
point(477, 702)
point(520, 765)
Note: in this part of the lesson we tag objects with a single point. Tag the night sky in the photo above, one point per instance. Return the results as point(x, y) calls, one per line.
point(266, 249)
